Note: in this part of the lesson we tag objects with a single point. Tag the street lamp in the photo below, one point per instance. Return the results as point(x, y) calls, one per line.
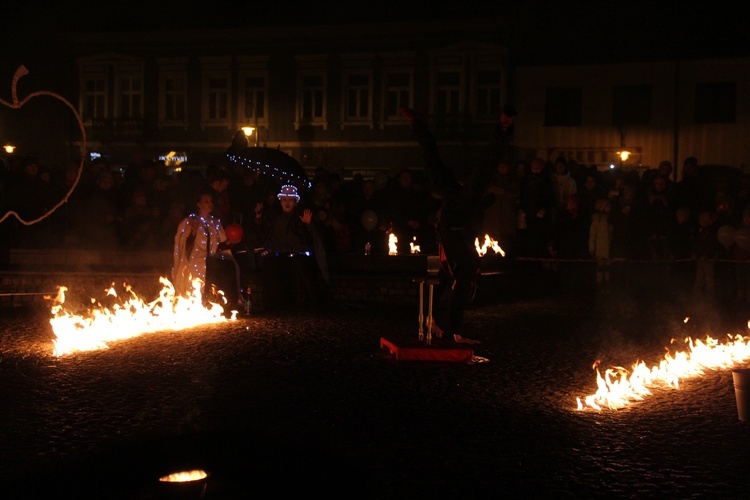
point(248, 131)
point(9, 148)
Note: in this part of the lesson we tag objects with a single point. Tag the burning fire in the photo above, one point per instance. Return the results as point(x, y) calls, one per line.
point(618, 387)
point(413, 246)
point(184, 477)
point(129, 318)
point(488, 243)
point(392, 241)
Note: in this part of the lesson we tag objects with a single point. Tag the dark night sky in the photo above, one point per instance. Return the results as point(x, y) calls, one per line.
point(563, 31)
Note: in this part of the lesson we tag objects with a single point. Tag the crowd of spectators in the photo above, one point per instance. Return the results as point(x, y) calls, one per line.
point(537, 209)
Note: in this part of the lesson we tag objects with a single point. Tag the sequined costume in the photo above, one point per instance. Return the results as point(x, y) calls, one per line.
point(196, 239)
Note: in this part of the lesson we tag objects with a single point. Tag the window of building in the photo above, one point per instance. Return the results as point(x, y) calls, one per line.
point(130, 97)
point(562, 107)
point(716, 102)
point(631, 105)
point(488, 93)
point(357, 98)
point(252, 98)
point(398, 92)
point(217, 92)
point(93, 93)
point(448, 93)
point(173, 92)
point(397, 84)
point(94, 102)
point(312, 87)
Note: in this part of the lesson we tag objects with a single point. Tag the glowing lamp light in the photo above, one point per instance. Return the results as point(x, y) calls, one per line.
point(8, 148)
point(248, 131)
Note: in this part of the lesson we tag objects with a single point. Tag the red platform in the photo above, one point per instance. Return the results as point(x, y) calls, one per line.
point(438, 350)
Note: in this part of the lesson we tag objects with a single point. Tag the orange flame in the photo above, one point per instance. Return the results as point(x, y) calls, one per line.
point(488, 243)
point(131, 318)
point(392, 241)
point(618, 387)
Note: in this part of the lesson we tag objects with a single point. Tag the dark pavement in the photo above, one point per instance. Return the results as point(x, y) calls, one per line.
point(306, 403)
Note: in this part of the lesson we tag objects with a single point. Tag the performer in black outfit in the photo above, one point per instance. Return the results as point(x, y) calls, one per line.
point(458, 224)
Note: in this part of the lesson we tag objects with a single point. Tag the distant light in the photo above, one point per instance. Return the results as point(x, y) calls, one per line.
point(611, 167)
point(248, 131)
point(9, 149)
point(93, 155)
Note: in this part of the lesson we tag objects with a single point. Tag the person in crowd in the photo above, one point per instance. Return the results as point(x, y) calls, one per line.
point(590, 190)
point(600, 243)
point(458, 224)
point(501, 216)
point(97, 218)
point(690, 190)
point(366, 219)
point(628, 240)
point(569, 243)
point(537, 206)
point(565, 185)
point(658, 218)
point(202, 252)
point(294, 262)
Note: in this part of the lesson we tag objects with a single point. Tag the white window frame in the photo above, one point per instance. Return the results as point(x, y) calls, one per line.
point(357, 65)
point(216, 68)
point(172, 70)
point(314, 66)
point(488, 58)
point(458, 89)
point(252, 67)
point(93, 72)
point(396, 64)
point(133, 73)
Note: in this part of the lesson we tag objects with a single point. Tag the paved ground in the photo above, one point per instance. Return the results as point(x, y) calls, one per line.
point(307, 403)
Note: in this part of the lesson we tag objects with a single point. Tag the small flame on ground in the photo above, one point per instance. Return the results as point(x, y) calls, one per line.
point(413, 246)
point(184, 477)
point(488, 243)
point(392, 241)
point(618, 387)
point(130, 318)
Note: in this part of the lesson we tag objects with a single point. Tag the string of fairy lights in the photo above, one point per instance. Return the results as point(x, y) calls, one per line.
point(273, 171)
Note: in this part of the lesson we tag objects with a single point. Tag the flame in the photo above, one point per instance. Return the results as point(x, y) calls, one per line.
point(130, 318)
point(488, 243)
point(618, 387)
point(413, 246)
point(184, 477)
point(392, 241)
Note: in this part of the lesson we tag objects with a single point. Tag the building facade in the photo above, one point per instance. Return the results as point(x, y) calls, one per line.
point(659, 110)
point(327, 96)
